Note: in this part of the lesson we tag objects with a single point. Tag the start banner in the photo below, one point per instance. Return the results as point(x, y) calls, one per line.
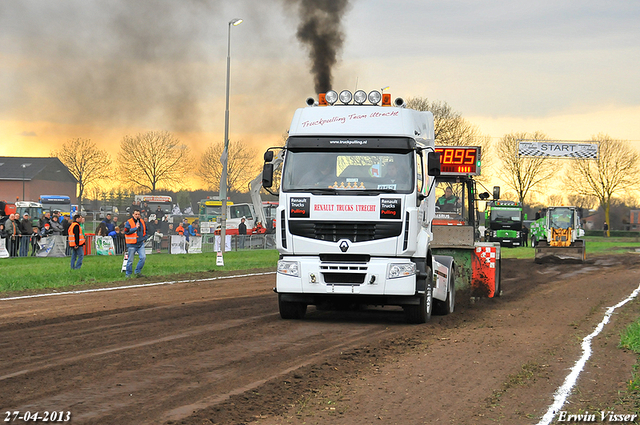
point(558, 149)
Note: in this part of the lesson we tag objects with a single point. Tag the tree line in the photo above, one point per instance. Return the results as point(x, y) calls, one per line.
point(153, 161)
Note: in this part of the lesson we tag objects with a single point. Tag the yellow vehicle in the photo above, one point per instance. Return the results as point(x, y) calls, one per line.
point(210, 209)
point(557, 235)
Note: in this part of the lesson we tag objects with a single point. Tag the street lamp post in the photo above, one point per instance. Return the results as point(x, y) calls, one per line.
point(225, 153)
point(23, 168)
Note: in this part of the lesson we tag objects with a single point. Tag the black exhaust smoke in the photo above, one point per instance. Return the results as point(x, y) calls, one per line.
point(320, 30)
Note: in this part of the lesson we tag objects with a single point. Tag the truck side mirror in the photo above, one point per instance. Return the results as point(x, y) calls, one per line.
point(496, 192)
point(433, 163)
point(267, 175)
point(268, 156)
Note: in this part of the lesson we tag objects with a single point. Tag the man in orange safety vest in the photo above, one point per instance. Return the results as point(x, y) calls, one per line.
point(76, 241)
point(135, 233)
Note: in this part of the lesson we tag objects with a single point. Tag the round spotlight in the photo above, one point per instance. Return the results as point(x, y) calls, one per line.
point(360, 97)
point(345, 96)
point(374, 97)
point(399, 102)
point(310, 101)
point(331, 97)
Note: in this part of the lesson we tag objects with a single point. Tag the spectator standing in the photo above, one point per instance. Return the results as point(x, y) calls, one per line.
point(185, 227)
point(606, 229)
point(525, 235)
point(65, 226)
point(242, 233)
point(56, 227)
point(12, 231)
point(179, 229)
point(193, 228)
point(118, 240)
point(26, 228)
point(159, 213)
point(109, 224)
point(135, 231)
point(102, 229)
point(76, 242)
point(65, 232)
point(144, 210)
point(46, 218)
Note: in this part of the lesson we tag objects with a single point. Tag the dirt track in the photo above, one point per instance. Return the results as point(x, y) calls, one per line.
point(217, 352)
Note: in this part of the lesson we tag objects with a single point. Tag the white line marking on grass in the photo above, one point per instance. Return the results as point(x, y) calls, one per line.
point(135, 286)
point(565, 390)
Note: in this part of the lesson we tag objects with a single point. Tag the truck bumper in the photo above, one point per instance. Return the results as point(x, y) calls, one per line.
point(367, 281)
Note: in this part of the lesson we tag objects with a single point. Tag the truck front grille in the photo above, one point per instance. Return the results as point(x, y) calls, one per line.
point(344, 278)
point(355, 231)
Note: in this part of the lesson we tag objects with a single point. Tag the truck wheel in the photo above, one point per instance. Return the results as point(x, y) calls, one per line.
point(421, 313)
point(442, 308)
point(291, 310)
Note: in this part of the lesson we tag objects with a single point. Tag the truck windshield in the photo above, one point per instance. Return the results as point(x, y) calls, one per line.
point(561, 218)
point(348, 171)
point(506, 215)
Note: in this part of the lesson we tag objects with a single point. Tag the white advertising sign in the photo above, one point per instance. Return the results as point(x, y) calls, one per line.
point(558, 149)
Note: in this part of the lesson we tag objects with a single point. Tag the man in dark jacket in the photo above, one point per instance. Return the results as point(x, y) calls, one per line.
point(26, 228)
point(111, 226)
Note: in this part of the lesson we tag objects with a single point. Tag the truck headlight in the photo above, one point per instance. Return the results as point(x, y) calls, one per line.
point(400, 270)
point(289, 268)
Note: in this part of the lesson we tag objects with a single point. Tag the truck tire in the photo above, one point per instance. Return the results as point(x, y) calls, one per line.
point(442, 308)
point(421, 313)
point(291, 310)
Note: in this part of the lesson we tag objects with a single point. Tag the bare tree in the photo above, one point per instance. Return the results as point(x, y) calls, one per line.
point(242, 166)
point(522, 174)
point(582, 201)
point(451, 129)
point(615, 171)
point(151, 159)
point(555, 199)
point(85, 161)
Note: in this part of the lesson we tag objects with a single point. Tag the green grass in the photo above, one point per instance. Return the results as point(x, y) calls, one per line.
point(630, 339)
point(596, 245)
point(45, 273)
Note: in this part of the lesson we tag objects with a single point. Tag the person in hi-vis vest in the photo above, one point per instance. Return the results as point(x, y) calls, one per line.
point(135, 233)
point(76, 241)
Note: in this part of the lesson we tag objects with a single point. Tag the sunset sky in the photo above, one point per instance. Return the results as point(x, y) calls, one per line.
point(102, 70)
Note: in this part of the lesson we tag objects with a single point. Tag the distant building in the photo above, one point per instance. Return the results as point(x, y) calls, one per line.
point(34, 177)
point(634, 223)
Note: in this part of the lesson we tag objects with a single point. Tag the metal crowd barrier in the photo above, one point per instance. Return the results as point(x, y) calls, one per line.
point(58, 246)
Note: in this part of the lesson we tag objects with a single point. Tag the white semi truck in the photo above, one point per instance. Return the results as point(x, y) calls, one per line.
point(356, 202)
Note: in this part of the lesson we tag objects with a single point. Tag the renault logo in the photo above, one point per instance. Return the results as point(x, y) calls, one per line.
point(344, 245)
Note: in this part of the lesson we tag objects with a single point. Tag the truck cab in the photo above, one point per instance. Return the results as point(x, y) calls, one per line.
point(355, 210)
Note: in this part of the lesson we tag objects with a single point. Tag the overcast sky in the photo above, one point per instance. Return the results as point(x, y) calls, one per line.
point(101, 70)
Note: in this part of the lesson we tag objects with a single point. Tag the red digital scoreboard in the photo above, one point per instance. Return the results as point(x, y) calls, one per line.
point(459, 161)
